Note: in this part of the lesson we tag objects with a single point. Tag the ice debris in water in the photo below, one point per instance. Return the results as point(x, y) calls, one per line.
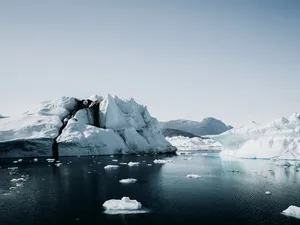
point(128, 181)
point(16, 161)
point(18, 179)
point(293, 211)
point(50, 160)
point(123, 163)
point(115, 160)
point(189, 158)
point(35, 160)
point(161, 161)
point(133, 163)
point(193, 176)
point(58, 164)
point(149, 165)
point(268, 192)
point(111, 167)
point(123, 206)
point(12, 168)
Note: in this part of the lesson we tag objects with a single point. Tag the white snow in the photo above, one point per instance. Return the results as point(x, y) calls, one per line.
point(280, 139)
point(195, 176)
point(292, 211)
point(162, 161)
point(111, 167)
point(128, 181)
point(196, 143)
point(123, 206)
point(133, 163)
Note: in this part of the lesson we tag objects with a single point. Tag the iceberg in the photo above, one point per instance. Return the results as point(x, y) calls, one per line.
point(123, 206)
point(194, 144)
point(111, 167)
point(292, 211)
point(73, 127)
point(279, 139)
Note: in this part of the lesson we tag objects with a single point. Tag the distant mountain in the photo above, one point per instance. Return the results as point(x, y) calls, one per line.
point(208, 126)
point(169, 132)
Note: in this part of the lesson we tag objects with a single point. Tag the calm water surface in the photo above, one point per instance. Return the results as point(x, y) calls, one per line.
point(74, 192)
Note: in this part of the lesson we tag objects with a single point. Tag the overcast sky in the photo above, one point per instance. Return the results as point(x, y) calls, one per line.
point(234, 60)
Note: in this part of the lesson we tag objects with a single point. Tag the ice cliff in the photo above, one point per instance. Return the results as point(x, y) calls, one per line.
point(94, 126)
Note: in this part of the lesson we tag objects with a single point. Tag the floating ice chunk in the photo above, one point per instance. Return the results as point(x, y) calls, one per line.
point(133, 163)
point(11, 188)
point(111, 167)
point(123, 206)
point(58, 164)
point(35, 160)
point(268, 192)
point(123, 163)
point(16, 161)
point(162, 161)
point(128, 181)
point(115, 160)
point(20, 160)
point(18, 179)
point(50, 160)
point(193, 176)
point(149, 165)
point(19, 184)
point(292, 211)
point(12, 168)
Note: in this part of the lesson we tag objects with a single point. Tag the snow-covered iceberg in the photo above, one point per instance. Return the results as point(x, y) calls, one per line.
point(94, 126)
point(195, 143)
point(280, 139)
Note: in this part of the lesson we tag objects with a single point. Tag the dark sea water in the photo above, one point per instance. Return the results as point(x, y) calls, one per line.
point(74, 192)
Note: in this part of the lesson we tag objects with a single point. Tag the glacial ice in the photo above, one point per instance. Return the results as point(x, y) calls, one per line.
point(280, 140)
point(133, 164)
point(195, 143)
point(125, 127)
point(292, 211)
point(161, 161)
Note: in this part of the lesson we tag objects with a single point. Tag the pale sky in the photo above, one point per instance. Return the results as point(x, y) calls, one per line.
point(234, 60)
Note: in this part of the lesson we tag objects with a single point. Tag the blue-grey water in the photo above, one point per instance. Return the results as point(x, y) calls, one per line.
point(74, 192)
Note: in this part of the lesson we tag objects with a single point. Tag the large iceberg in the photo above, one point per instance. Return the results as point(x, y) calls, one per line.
point(95, 126)
point(279, 139)
point(195, 143)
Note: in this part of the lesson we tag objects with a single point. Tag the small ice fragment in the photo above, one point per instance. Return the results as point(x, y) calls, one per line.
point(115, 160)
point(161, 161)
point(149, 165)
point(112, 156)
point(111, 167)
point(268, 192)
point(11, 188)
point(133, 163)
point(20, 160)
point(18, 179)
point(15, 161)
point(193, 176)
point(292, 211)
point(12, 168)
point(189, 158)
point(50, 160)
point(58, 164)
point(204, 154)
point(128, 181)
point(19, 184)
point(123, 163)
point(35, 160)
